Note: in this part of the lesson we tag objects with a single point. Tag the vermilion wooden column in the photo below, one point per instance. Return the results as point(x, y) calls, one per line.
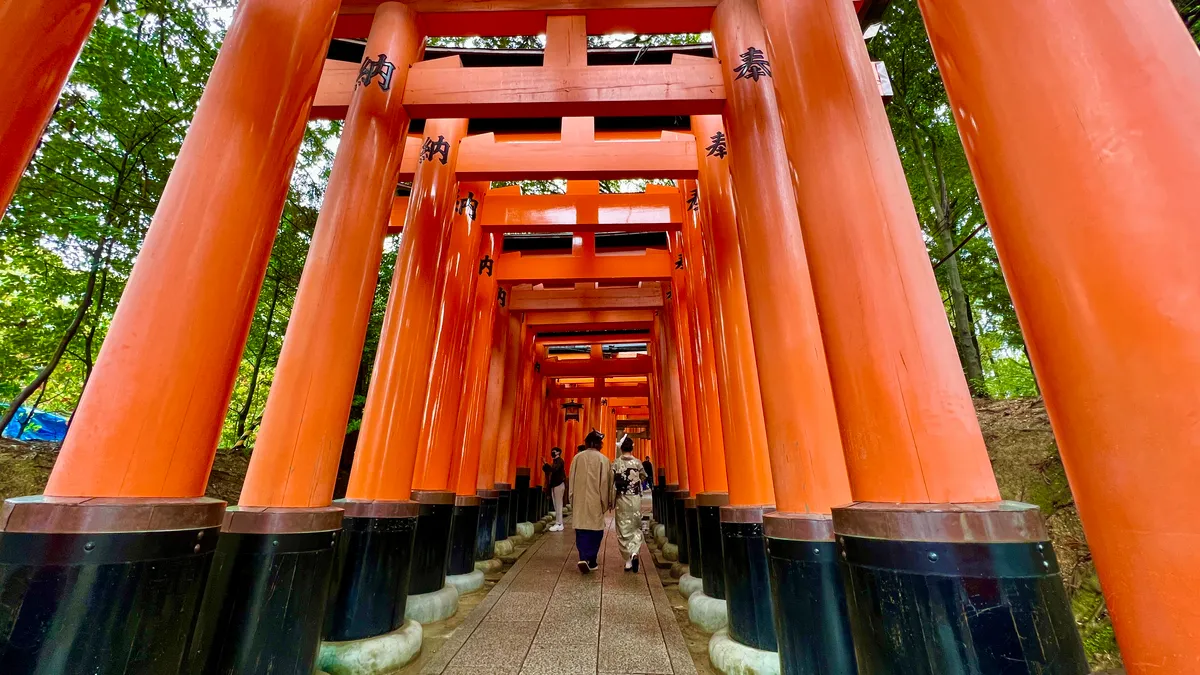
point(304, 425)
point(1087, 171)
point(798, 407)
point(289, 485)
point(388, 443)
point(438, 445)
point(484, 385)
point(741, 400)
point(147, 426)
point(512, 354)
point(469, 429)
point(42, 41)
point(699, 319)
point(678, 337)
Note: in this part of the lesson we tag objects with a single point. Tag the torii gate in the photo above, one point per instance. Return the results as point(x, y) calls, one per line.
point(803, 388)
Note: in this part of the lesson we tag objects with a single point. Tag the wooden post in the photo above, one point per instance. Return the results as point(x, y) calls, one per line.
point(41, 42)
point(1086, 167)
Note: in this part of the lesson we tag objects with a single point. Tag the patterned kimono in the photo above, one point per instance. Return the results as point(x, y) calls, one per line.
point(628, 475)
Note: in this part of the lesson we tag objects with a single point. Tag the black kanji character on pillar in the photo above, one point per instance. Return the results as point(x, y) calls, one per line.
point(431, 148)
point(468, 205)
point(668, 295)
point(372, 68)
point(694, 200)
point(537, 367)
point(719, 146)
point(503, 296)
point(485, 265)
point(754, 65)
point(679, 262)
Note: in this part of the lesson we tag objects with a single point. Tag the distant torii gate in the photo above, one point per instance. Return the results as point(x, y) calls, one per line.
point(802, 387)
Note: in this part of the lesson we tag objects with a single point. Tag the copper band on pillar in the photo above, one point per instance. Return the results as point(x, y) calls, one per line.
point(522, 471)
point(744, 514)
point(379, 509)
point(689, 503)
point(798, 526)
point(433, 496)
point(54, 515)
point(989, 522)
point(466, 500)
point(501, 487)
point(263, 520)
point(712, 499)
point(488, 494)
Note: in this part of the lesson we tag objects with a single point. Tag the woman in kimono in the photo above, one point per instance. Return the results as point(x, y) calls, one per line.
point(628, 477)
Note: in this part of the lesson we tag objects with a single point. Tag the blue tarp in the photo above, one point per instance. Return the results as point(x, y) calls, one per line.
point(44, 426)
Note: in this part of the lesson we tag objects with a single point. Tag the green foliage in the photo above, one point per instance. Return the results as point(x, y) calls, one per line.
point(1190, 11)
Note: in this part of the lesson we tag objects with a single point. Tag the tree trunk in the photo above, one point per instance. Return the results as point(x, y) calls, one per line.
point(32, 409)
point(244, 413)
point(960, 306)
point(48, 370)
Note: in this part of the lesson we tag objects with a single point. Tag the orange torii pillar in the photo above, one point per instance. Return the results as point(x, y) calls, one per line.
point(690, 471)
point(372, 593)
point(506, 505)
point(808, 469)
point(476, 393)
point(747, 456)
point(438, 449)
point(1087, 172)
point(124, 510)
point(497, 385)
point(676, 469)
point(519, 471)
point(41, 42)
point(289, 486)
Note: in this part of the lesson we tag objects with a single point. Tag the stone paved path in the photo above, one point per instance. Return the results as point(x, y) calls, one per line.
point(544, 617)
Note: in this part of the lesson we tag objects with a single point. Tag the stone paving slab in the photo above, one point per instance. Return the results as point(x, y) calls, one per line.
point(545, 617)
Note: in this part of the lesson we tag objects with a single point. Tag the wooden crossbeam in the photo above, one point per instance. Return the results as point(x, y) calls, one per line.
point(607, 339)
point(639, 365)
point(506, 18)
point(502, 213)
point(609, 392)
point(527, 299)
point(604, 320)
point(519, 268)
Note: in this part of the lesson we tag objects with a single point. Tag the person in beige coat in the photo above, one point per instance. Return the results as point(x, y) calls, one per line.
point(591, 497)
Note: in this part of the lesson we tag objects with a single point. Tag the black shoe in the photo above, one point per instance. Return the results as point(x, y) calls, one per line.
point(634, 569)
point(592, 567)
point(584, 568)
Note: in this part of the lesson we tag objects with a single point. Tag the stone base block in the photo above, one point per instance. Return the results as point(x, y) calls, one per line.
point(733, 658)
point(670, 552)
point(689, 584)
point(525, 530)
point(660, 532)
point(708, 614)
point(373, 656)
point(465, 583)
point(539, 527)
point(490, 565)
point(438, 605)
point(504, 547)
point(678, 570)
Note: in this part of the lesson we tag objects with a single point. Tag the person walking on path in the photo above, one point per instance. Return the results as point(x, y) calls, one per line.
point(556, 478)
point(591, 497)
point(649, 467)
point(628, 476)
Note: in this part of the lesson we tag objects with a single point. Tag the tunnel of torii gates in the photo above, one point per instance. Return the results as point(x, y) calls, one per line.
point(768, 327)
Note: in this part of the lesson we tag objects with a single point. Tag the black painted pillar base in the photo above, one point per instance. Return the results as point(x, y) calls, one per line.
point(533, 510)
point(464, 529)
point(691, 521)
point(669, 511)
point(102, 585)
point(504, 500)
point(485, 533)
point(431, 551)
point(955, 588)
point(681, 526)
point(748, 577)
point(269, 577)
point(369, 587)
point(522, 491)
point(659, 498)
point(811, 621)
point(708, 516)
